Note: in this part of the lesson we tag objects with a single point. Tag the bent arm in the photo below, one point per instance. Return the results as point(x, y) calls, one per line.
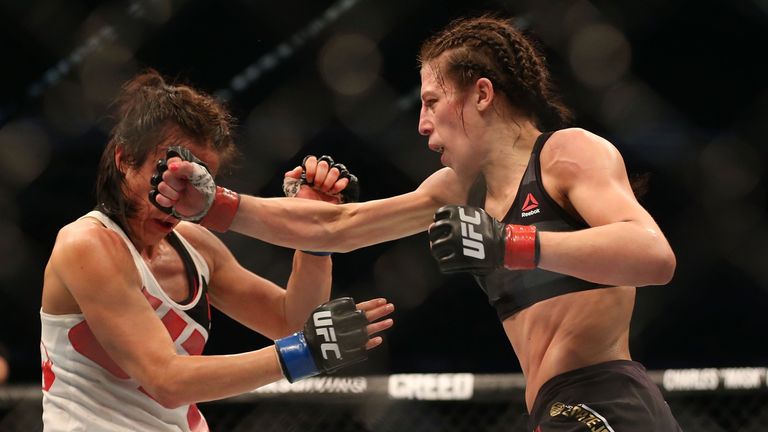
point(624, 245)
point(97, 269)
point(254, 301)
point(623, 253)
point(312, 225)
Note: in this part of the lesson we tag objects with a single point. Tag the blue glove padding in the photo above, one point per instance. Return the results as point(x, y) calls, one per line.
point(295, 357)
point(334, 336)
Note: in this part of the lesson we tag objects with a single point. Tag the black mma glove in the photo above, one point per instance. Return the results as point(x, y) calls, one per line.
point(467, 239)
point(220, 204)
point(351, 193)
point(334, 337)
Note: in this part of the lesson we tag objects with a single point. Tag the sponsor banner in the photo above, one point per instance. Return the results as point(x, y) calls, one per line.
point(447, 386)
point(336, 385)
point(744, 378)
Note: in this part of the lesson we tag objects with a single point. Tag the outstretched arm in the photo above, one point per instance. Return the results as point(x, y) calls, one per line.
point(311, 225)
point(341, 228)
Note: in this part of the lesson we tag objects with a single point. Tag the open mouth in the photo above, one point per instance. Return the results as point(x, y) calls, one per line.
point(437, 149)
point(167, 224)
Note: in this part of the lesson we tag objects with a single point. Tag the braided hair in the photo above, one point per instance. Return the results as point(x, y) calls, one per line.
point(494, 48)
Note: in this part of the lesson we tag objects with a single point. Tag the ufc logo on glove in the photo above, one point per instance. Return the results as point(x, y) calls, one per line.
point(467, 239)
point(332, 327)
point(324, 329)
point(471, 239)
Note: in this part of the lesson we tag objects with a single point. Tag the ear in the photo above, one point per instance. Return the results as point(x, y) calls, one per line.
point(484, 93)
point(119, 157)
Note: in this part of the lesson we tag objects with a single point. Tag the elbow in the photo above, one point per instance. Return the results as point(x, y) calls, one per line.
point(164, 388)
point(166, 394)
point(663, 265)
point(670, 264)
point(661, 262)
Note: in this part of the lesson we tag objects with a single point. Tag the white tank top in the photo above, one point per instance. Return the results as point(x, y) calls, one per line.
point(85, 390)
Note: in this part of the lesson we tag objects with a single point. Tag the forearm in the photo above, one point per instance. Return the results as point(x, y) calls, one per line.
point(308, 286)
point(190, 379)
point(314, 225)
point(288, 222)
point(618, 254)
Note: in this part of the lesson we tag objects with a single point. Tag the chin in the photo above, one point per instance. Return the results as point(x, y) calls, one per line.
point(463, 172)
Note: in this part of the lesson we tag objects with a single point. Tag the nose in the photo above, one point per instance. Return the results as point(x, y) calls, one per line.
point(425, 126)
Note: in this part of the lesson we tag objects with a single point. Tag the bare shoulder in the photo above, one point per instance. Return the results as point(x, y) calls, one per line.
point(575, 151)
point(88, 237)
point(87, 251)
point(579, 143)
point(446, 187)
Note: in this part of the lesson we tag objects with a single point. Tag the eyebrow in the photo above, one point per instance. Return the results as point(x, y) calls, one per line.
point(428, 93)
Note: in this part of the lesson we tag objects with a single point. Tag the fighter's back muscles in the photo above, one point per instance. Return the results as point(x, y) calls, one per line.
point(306, 224)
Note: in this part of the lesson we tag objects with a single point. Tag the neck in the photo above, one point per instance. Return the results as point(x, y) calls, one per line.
point(146, 247)
point(509, 155)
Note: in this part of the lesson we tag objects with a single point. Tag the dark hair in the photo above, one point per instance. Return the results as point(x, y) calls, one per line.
point(148, 111)
point(494, 48)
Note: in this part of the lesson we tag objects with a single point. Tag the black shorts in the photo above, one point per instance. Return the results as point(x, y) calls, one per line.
point(612, 396)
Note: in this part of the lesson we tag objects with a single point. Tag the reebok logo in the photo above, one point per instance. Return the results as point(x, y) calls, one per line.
point(471, 239)
point(324, 329)
point(530, 206)
point(530, 203)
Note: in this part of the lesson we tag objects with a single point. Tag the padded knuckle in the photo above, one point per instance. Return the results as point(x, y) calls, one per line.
point(442, 213)
point(343, 171)
point(304, 161)
point(327, 159)
point(153, 199)
point(156, 179)
point(346, 302)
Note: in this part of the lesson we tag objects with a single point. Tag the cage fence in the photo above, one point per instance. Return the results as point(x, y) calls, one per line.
point(703, 400)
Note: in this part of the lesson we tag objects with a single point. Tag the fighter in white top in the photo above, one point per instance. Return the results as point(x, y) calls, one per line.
point(125, 306)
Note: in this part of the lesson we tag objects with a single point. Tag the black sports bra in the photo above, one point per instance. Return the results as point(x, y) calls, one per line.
point(510, 291)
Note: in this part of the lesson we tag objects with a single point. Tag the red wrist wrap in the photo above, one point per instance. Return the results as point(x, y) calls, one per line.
point(521, 247)
point(223, 210)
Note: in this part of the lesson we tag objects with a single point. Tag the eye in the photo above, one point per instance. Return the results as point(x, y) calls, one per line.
point(429, 103)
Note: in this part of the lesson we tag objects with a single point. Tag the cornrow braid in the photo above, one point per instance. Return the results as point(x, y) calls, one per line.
point(491, 47)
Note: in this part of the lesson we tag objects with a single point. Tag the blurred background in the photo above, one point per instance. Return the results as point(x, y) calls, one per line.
point(678, 86)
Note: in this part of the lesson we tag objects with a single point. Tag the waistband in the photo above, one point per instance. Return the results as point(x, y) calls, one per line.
point(576, 376)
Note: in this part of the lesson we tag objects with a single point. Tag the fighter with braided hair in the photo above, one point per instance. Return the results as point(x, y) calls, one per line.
point(543, 215)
